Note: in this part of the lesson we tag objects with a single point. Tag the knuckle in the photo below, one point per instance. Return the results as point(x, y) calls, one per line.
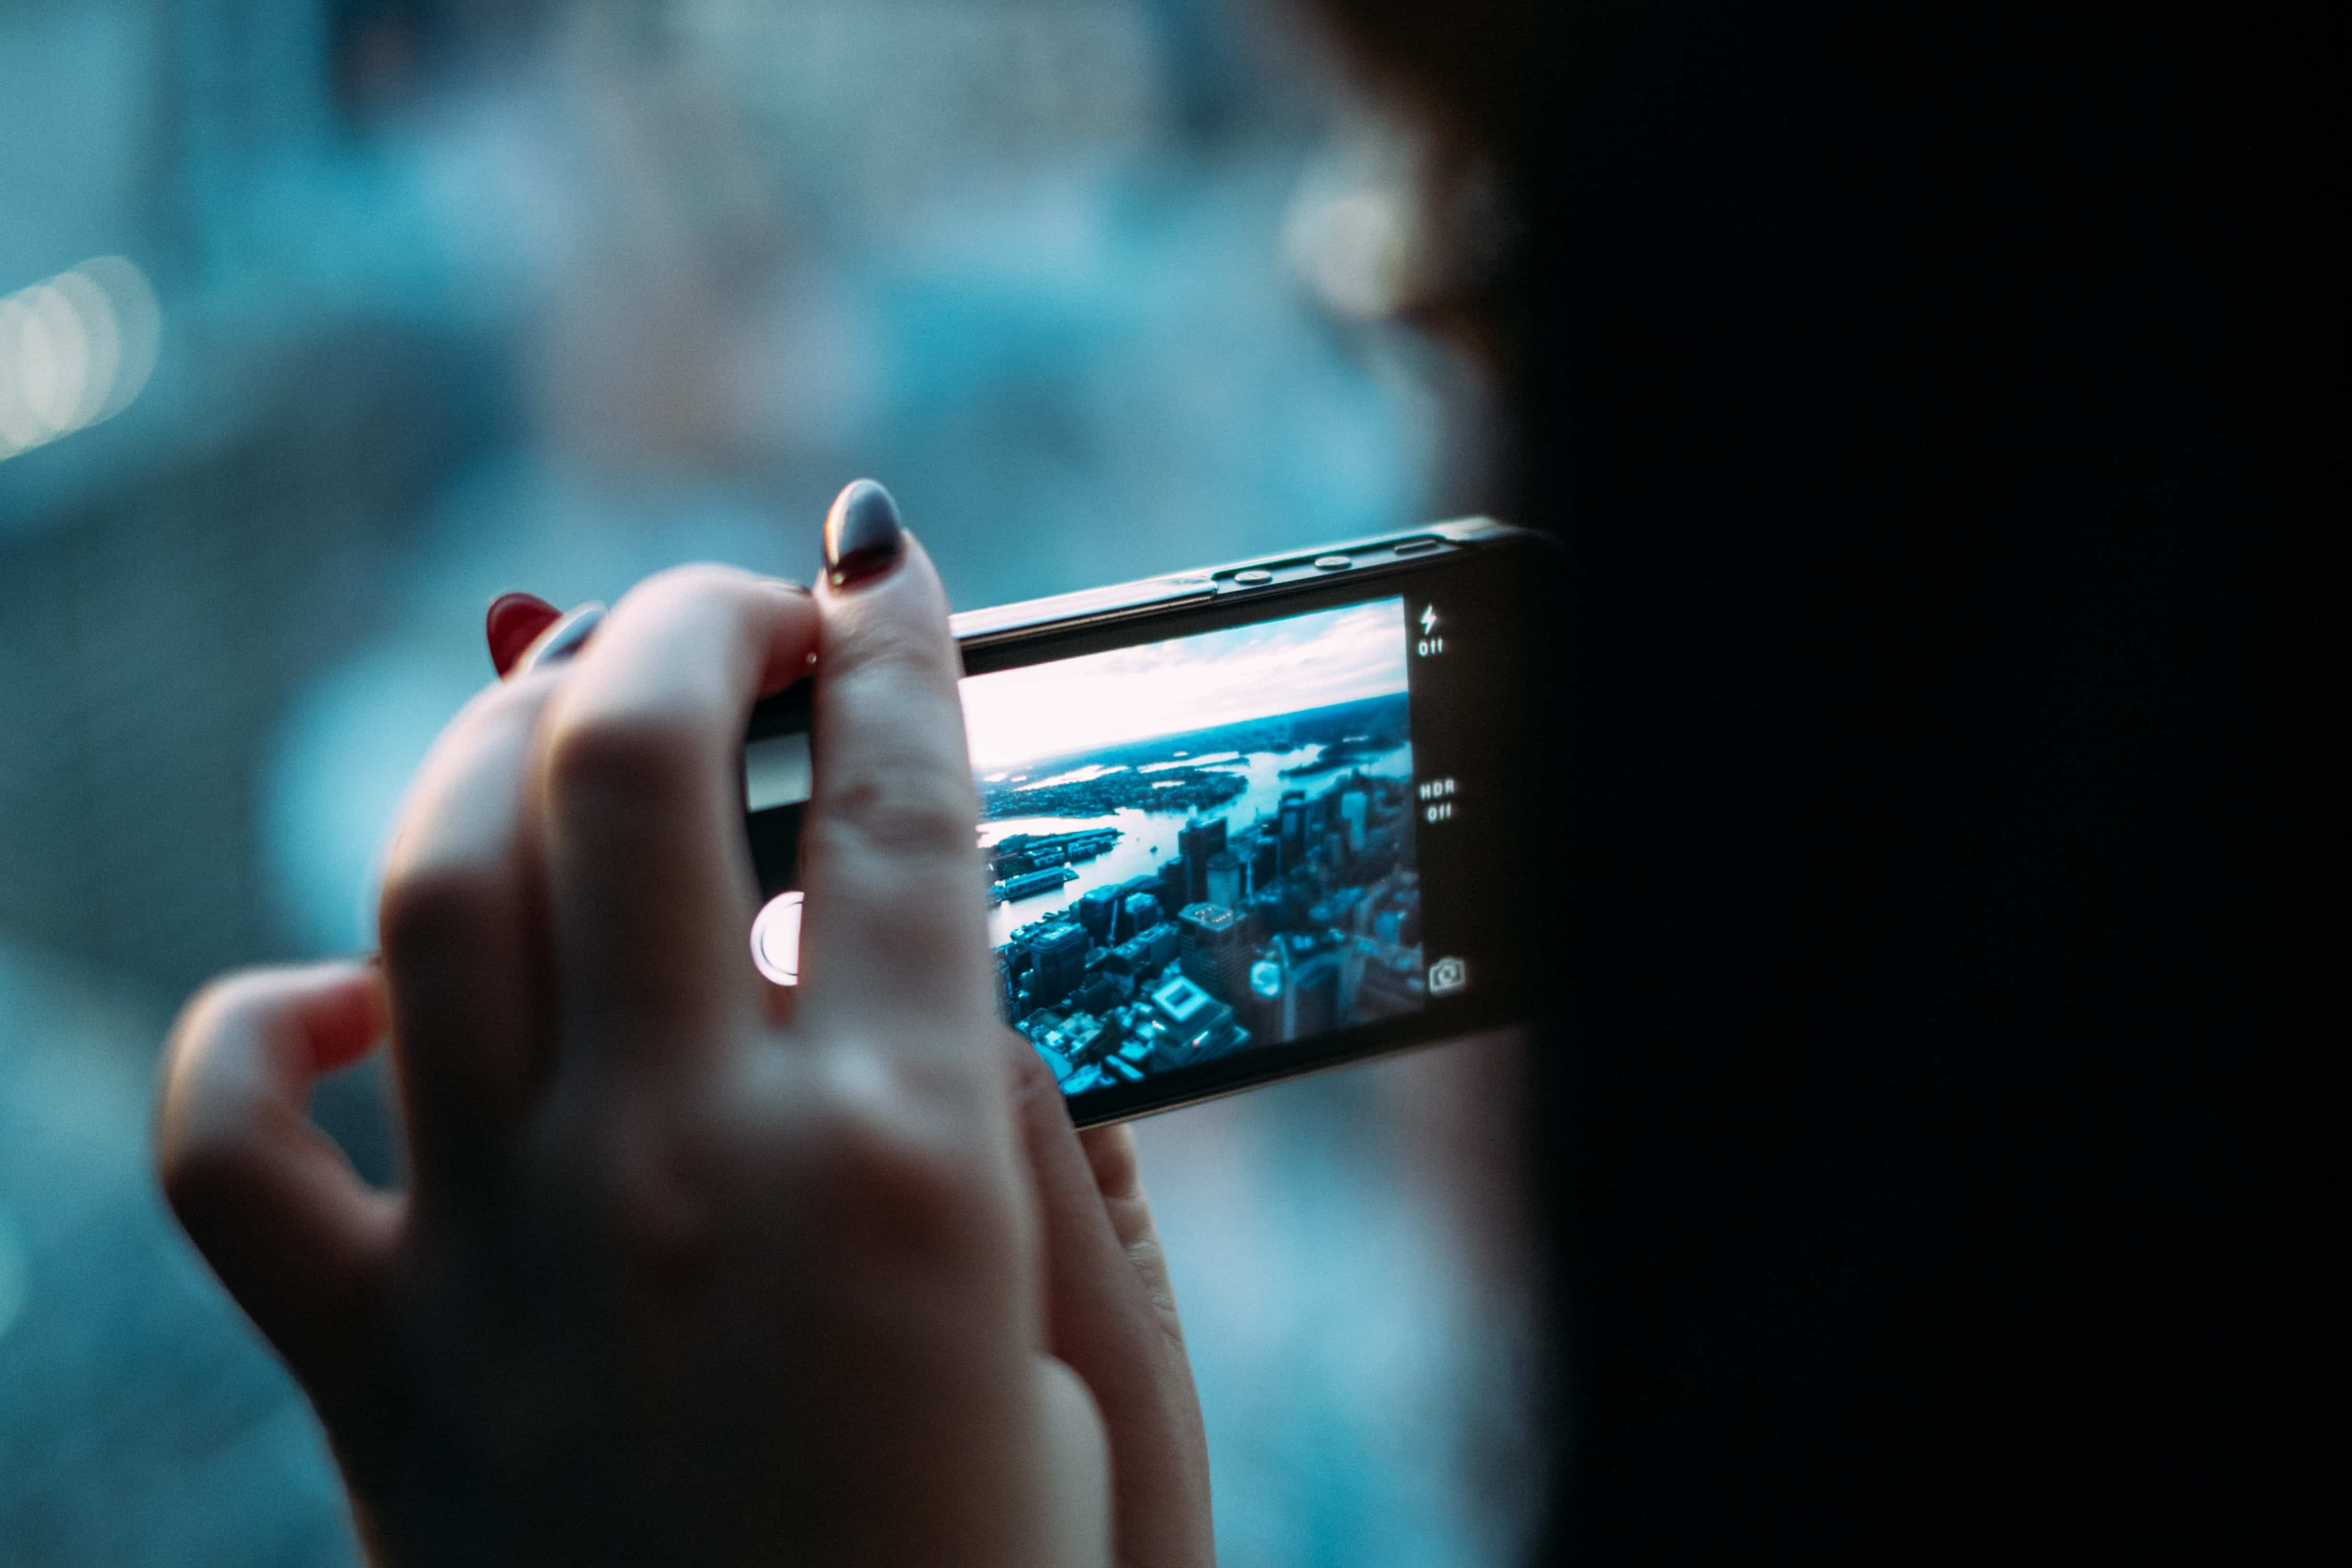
point(424, 898)
point(899, 1176)
point(698, 594)
point(624, 761)
point(897, 811)
point(658, 1199)
point(692, 584)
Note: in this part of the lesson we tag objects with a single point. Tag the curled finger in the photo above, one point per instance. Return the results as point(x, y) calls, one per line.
point(298, 1239)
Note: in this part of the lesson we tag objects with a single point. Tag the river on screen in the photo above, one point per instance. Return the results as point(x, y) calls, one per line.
point(1147, 839)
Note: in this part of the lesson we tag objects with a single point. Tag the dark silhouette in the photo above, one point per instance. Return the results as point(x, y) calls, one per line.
point(1912, 387)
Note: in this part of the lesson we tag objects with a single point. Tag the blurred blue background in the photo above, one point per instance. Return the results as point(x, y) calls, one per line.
point(322, 322)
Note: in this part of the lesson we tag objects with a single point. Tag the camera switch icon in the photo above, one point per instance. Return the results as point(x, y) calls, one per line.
point(1448, 975)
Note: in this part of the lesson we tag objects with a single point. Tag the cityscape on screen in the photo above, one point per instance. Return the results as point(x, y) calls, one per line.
point(1201, 845)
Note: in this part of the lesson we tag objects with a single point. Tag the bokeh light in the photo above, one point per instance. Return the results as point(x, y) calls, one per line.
point(74, 350)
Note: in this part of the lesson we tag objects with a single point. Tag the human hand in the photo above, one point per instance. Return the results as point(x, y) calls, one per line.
point(693, 1269)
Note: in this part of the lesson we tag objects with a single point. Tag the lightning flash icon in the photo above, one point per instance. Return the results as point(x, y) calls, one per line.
point(1428, 619)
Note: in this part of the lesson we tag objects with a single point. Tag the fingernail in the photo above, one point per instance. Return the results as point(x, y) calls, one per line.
point(564, 639)
point(513, 624)
point(862, 536)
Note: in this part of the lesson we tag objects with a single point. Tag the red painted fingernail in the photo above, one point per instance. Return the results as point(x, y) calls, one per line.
point(513, 624)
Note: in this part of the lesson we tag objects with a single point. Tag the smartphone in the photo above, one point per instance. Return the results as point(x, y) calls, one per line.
point(1244, 822)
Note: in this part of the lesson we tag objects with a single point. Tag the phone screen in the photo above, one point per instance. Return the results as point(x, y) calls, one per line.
point(1197, 848)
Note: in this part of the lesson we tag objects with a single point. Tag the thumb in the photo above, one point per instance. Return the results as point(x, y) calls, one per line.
point(298, 1239)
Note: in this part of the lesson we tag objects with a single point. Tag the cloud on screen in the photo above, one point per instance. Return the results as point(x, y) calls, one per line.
point(1187, 683)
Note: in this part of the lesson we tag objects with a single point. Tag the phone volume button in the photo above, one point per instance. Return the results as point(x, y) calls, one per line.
point(1252, 577)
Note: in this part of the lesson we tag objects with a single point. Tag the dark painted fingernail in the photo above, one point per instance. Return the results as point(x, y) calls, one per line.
point(862, 536)
point(563, 640)
point(513, 624)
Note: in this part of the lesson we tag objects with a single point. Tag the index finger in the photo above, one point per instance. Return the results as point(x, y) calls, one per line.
point(639, 806)
point(894, 939)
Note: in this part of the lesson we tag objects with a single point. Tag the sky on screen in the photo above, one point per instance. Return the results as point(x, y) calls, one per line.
point(1187, 683)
